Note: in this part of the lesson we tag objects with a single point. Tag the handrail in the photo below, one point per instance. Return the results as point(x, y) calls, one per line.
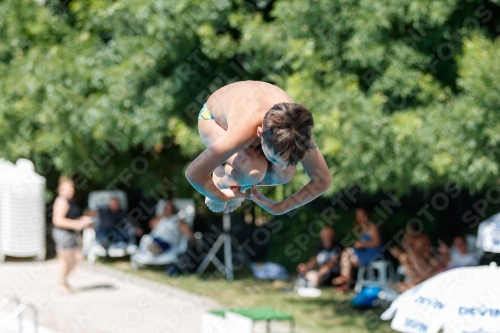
point(17, 314)
point(7, 300)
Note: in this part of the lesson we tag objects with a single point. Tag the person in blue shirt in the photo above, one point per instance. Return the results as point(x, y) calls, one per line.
point(365, 250)
point(114, 226)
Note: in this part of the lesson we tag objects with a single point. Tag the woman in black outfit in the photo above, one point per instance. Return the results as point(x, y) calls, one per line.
point(68, 222)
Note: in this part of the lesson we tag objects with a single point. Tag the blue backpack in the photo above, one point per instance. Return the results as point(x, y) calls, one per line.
point(367, 298)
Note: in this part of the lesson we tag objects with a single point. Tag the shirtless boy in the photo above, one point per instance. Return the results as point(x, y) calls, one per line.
point(255, 135)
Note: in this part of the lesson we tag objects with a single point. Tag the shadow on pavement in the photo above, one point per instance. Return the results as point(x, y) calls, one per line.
point(96, 287)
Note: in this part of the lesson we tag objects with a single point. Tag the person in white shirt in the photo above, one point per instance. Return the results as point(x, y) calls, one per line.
point(460, 255)
point(488, 239)
point(167, 230)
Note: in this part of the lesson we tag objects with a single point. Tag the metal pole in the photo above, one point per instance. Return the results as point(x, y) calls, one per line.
point(228, 255)
point(211, 257)
point(223, 239)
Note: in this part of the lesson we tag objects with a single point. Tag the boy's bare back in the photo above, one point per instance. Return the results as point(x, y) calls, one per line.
point(244, 105)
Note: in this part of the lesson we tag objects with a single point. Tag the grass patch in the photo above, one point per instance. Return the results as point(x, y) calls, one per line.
point(330, 313)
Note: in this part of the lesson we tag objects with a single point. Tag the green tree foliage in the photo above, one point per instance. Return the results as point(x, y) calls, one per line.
point(90, 80)
point(404, 93)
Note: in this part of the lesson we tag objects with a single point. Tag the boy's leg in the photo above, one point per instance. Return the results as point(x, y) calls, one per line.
point(243, 164)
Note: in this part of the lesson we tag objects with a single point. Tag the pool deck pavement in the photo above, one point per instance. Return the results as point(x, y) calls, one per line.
point(106, 300)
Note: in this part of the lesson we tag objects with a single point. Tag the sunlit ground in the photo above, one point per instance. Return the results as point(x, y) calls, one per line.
point(330, 313)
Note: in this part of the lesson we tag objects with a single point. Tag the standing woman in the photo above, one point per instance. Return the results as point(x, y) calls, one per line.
point(68, 222)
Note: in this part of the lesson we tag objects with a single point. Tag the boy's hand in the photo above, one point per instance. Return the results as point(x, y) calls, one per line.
point(234, 193)
point(261, 200)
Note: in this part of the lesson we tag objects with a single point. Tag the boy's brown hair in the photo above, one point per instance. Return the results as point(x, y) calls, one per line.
point(287, 131)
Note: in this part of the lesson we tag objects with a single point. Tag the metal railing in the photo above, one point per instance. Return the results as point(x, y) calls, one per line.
point(16, 314)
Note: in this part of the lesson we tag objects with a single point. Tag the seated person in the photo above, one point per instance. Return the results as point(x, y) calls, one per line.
point(416, 257)
point(167, 229)
point(365, 250)
point(488, 240)
point(324, 265)
point(114, 226)
point(460, 256)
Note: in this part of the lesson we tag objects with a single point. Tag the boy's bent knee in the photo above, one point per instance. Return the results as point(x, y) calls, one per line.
point(255, 176)
point(251, 168)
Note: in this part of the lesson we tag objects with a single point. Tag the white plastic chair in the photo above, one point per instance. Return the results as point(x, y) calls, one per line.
point(378, 273)
point(143, 257)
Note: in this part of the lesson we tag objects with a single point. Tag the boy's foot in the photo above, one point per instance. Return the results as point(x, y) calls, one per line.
point(235, 203)
point(218, 178)
point(215, 207)
point(227, 207)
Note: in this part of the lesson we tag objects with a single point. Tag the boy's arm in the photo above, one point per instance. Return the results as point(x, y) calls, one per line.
point(199, 171)
point(320, 181)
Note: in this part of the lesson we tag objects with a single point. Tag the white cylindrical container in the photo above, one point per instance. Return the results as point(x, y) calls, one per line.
point(22, 211)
